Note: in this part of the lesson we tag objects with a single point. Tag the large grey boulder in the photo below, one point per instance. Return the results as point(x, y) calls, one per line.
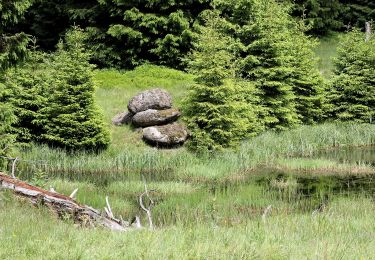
point(152, 117)
point(123, 118)
point(166, 135)
point(150, 99)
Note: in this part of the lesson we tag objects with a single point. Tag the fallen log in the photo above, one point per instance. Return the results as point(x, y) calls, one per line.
point(63, 205)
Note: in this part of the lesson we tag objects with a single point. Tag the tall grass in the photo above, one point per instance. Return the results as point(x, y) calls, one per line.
point(270, 148)
point(343, 231)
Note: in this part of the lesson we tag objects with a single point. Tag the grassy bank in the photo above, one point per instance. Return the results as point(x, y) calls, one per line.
point(291, 149)
point(344, 231)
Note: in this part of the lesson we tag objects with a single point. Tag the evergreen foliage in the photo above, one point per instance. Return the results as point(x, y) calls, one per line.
point(126, 33)
point(353, 86)
point(321, 16)
point(71, 118)
point(308, 85)
point(279, 58)
point(13, 46)
point(12, 50)
point(7, 118)
point(26, 87)
point(357, 12)
point(216, 109)
point(267, 61)
point(147, 31)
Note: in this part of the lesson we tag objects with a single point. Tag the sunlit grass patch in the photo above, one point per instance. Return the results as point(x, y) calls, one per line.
point(326, 51)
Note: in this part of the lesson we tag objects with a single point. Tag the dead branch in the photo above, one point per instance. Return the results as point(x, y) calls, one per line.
point(368, 31)
point(266, 212)
point(14, 167)
point(73, 194)
point(62, 205)
point(148, 209)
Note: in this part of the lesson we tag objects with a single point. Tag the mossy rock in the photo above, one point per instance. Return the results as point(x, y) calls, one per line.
point(152, 117)
point(150, 99)
point(166, 136)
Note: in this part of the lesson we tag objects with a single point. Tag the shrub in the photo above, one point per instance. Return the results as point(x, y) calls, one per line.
point(279, 58)
point(26, 91)
point(7, 118)
point(353, 86)
point(216, 109)
point(71, 118)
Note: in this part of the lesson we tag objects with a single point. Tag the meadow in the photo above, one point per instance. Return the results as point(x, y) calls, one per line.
point(207, 206)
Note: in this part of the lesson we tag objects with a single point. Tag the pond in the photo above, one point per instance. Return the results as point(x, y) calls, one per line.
point(314, 186)
point(358, 155)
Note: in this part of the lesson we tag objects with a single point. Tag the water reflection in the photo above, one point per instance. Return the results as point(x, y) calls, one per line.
point(359, 155)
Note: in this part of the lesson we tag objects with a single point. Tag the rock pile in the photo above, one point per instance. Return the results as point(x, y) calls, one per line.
point(152, 110)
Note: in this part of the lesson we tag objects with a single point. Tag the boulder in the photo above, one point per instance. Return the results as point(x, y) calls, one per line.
point(166, 135)
point(123, 118)
point(150, 99)
point(152, 117)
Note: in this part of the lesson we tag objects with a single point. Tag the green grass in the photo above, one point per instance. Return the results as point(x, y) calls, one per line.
point(343, 231)
point(326, 51)
point(124, 161)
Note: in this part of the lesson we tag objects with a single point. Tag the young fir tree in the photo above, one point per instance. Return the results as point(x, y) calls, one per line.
point(268, 62)
point(308, 84)
point(13, 48)
point(353, 86)
point(71, 118)
point(26, 87)
point(280, 59)
point(7, 118)
point(322, 16)
point(216, 109)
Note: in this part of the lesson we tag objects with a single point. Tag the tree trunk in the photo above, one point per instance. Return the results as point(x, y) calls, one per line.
point(368, 31)
point(62, 205)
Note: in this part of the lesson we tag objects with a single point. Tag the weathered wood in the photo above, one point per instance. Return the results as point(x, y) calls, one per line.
point(14, 167)
point(62, 205)
point(147, 210)
point(368, 31)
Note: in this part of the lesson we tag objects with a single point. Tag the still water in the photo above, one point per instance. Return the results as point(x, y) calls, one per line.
point(327, 185)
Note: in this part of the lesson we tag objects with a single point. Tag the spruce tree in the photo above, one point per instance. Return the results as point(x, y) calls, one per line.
point(216, 109)
point(321, 16)
point(7, 118)
point(353, 86)
point(13, 49)
point(279, 58)
point(308, 84)
point(267, 62)
point(26, 86)
point(13, 46)
point(71, 118)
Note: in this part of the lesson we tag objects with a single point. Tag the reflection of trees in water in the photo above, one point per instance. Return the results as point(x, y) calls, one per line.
point(359, 155)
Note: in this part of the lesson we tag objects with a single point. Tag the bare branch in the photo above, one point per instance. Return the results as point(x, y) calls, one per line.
point(147, 210)
point(108, 208)
point(14, 167)
point(368, 31)
point(73, 194)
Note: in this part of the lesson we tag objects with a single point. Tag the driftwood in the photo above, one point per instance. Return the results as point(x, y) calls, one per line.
point(65, 206)
point(368, 31)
